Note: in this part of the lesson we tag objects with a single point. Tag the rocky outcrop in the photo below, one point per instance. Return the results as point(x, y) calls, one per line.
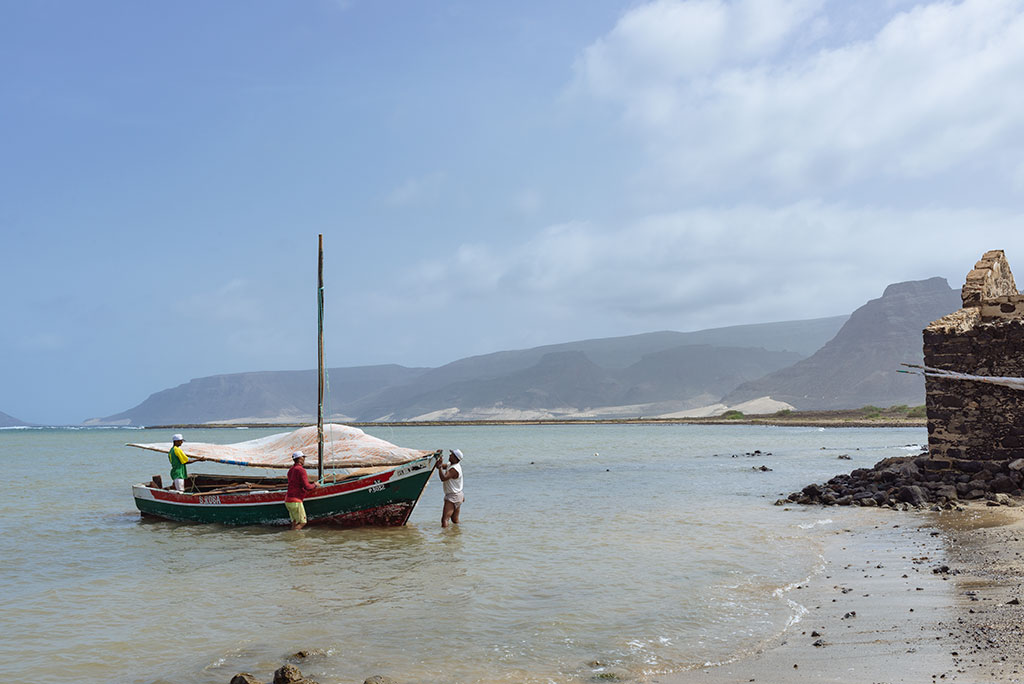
point(917, 482)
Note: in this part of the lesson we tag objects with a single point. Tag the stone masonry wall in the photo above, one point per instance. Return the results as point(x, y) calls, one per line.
point(1005, 308)
point(990, 278)
point(976, 420)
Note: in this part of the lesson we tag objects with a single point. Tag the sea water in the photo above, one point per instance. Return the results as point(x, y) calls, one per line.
point(585, 553)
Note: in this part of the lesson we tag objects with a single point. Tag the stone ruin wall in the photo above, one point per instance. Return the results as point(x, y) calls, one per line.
point(990, 278)
point(973, 420)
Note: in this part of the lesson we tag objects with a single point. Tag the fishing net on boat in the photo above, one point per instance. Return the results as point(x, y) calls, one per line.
point(344, 447)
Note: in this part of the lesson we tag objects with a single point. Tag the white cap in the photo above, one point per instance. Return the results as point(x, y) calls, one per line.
point(177, 438)
point(457, 453)
point(297, 455)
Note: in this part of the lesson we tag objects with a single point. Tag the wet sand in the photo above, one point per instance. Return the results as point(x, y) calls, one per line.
point(910, 598)
point(987, 569)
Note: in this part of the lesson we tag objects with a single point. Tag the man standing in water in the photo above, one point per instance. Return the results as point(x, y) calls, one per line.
point(298, 487)
point(178, 460)
point(451, 479)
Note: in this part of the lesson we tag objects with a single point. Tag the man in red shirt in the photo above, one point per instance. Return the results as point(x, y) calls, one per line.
point(298, 487)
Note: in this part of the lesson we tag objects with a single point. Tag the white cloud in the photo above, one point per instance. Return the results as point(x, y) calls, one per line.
point(717, 97)
point(709, 267)
point(657, 45)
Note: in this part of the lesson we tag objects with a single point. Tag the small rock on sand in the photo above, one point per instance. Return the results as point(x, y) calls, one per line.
point(379, 679)
point(289, 674)
point(244, 678)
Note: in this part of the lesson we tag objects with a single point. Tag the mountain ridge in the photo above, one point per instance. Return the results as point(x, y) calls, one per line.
point(858, 366)
point(388, 390)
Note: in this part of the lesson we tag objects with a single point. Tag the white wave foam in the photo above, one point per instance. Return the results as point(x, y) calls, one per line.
point(799, 610)
point(807, 526)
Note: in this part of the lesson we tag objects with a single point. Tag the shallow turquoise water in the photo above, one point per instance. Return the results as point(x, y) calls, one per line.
point(635, 550)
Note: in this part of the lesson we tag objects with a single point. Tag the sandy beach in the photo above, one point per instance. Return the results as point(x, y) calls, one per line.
point(935, 602)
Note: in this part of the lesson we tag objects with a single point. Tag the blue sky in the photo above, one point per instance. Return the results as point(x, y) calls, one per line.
point(486, 175)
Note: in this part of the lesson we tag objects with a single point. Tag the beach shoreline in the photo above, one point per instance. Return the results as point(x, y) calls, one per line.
point(904, 598)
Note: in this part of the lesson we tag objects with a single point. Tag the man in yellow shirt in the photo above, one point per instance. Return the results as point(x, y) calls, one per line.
point(178, 460)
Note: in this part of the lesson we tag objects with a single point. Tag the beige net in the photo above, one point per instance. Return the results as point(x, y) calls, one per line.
point(344, 447)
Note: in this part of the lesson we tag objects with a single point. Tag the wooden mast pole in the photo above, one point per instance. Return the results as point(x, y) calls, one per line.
point(320, 364)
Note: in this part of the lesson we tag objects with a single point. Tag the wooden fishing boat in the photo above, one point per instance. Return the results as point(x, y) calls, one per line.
point(384, 497)
point(373, 483)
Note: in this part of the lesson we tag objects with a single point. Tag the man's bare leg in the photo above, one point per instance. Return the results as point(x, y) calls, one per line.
point(446, 513)
point(455, 513)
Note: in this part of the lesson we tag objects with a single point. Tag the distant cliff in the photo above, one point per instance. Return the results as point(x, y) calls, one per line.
point(859, 366)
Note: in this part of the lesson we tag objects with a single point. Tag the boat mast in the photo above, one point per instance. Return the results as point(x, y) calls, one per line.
point(320, 364)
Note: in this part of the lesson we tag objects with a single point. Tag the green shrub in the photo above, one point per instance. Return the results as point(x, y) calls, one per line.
point(917, 412)
point(783, 413)
point(732, 415)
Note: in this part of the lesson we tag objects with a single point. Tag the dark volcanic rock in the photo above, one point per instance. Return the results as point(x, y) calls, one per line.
point(244, 678)
point(912, 494)
point(1002, 484)
point(915, 481)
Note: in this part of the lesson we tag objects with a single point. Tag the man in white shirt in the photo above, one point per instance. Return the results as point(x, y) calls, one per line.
point(451, 478)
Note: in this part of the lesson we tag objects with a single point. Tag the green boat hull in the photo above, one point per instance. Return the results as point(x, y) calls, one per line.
point(381, 499)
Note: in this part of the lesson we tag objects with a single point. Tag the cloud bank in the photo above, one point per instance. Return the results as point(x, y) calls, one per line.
point(760, 91)
point(789, 154)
